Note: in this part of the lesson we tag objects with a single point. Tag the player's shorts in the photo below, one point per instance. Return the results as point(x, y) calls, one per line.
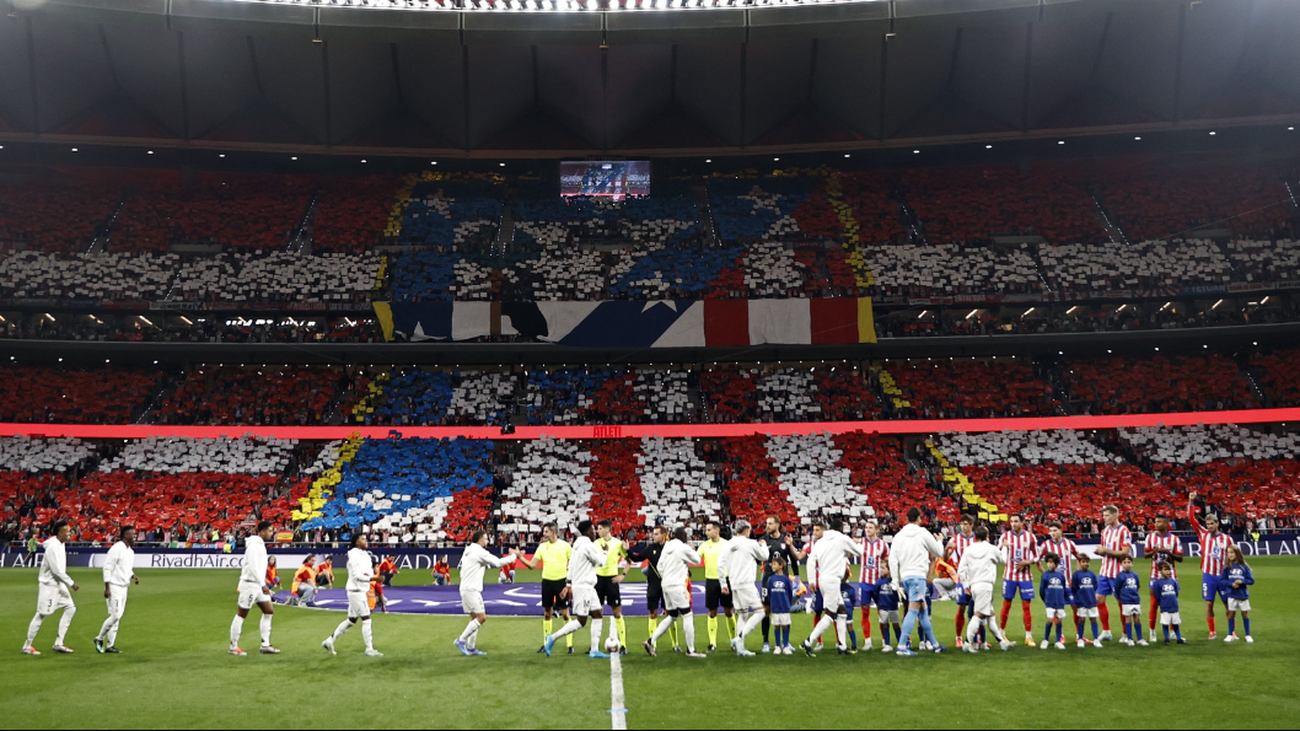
point(654, 596)
point(1053, 613)
point(1130, 610)
point(1087, 613)
point(677, 598)
point(889, 616)
point(1168, 618)
point(608, 592)
point(714, 598)
point(745, 598)
point(781, 620)
point(1210, 588)
point(1106, 586)
point(50, 599)
point(962, 598)
point(1026, 589)
point(116, 600)
point(866, 595)
point(915, 588)
point(1238, 605)
point(359, 604)
point(981, 597)
point(551, 590)
point(250, 594)
point(585, 601)
point(832, 597)
point(816, 599)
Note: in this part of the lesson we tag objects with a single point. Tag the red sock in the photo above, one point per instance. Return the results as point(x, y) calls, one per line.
point(1210, 621)
point(1006, 612)
point(961, 622)
point(866, 624)
point(1105, 615)
point(1029, 617)
point(1154, 606)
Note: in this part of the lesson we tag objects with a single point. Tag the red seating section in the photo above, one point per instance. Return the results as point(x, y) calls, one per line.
point(41, 395)
point(103, 501)
point(731, 396)
point(1122, 385)
point(252, 212)
point(1280, 376)
point(1072, 493)
point(969, 204)
point(868, 198)
point(845, 396)
point(292, 396)
point(351, 213)
point(1165, 203)
point(828, 272)
point(879, 469)
point(17, 489)
point(55, 217)
point(615, 488)
point(470, 510)
point(973, 388)
point(751, 486)
point(1242, 489)
point(615, 401)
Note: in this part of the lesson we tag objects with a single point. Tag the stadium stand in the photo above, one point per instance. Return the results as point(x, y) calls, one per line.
point(1158, 202)
point(1279, 374)
point(106, 396)
point(55, 217)
point(255, 396)
point(957, 389)
point(248, 212)
point(352, 214)
point(1121, 385)
point(1147, 265)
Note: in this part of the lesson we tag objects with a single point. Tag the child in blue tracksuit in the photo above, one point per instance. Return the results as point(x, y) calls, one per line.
point(1129, 593)
point(886, 599)
point(1052, 589)
point(1234, 580)
point(1165, 589)
point(1083, 585)
point(778, 599)
point(849, 599)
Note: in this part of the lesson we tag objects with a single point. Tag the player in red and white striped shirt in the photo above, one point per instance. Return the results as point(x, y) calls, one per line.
point(1116, 545)
point(1161, 546)
point(957, 545)
point(1214, 549)
point(875, 553)
point(1021, 551)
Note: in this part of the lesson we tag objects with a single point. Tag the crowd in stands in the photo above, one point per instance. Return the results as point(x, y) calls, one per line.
point(276, 277)
point(423, 398)
point(246, 212)
point(55, 216)
point(1159, 203)
point(1147, 265)
point(966, 389)
point(1279, 376)
point(351, 214)
point(101, 396)
point(269, 396)
point(1123, 384)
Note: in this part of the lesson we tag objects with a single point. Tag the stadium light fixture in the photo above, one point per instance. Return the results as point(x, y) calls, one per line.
point(1060, 142)
point(708, 160)
point(74, 149)
point(776, 159)
point(501, 164)
point(1290, 129)
point(1071, 310)
point(1167, 305)
point(221, 155)
point(1213, 133)
point(1137, 138)
point(847, 155)
point(1216, 305)
point(149, 152)
point(295, 157)
point(971, 314)
point(363, 161)
point(433, 162)
point(988, 147)
point(923, 314)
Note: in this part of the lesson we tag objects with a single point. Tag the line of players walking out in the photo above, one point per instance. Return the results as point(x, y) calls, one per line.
point(754, 582)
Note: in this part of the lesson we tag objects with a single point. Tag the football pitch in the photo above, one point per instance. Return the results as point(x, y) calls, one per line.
point(174, 671)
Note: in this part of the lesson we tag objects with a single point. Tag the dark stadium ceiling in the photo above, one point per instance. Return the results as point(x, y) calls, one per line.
point(295, 77)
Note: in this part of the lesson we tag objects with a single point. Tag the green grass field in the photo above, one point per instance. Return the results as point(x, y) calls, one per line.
point(175, 672)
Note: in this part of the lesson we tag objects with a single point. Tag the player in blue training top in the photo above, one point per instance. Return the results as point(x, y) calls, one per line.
point(1052, 589)
point(851, 598)
point(778, 598)
point(1129, 592)
point(885, 595)
point(1083, 585)
point(1233, 582)
point(1165, 590)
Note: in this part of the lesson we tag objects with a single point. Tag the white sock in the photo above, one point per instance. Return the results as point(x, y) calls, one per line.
point(820, 628)
point(568, 629)
point(105, 628)
point(367, 634)
point(688, 625)
point(842, 627)
point(597, 625)
point(265, 627)
point(472, 642)
point(236, 629)
point(662, 629)
point(755, 619)
point(111, 639)
point(973, 629)
point(995, 628)
point(33, 628)
point(470, 629)
point(341, 630)
point(64, 621)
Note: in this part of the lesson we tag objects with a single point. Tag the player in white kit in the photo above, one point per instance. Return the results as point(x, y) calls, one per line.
point(737, 569)
point(675, 562)
point(827, 563)
point(119, 573)
point(361, 569)
point(977, 572)
point(587, 556)
point(53, 584)
point(474, 563)
point(253, 590)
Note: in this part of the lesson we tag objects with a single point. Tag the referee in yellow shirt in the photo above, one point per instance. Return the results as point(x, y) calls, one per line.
point(610, 576)
point(711, 550)
point(552, 555)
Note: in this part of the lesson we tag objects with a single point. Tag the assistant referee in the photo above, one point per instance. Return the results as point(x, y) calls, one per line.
point(552, 555)
point(610, 576)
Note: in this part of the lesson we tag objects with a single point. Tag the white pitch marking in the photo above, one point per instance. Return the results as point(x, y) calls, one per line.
point(617, 711)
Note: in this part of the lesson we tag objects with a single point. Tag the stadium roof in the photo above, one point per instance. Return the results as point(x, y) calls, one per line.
point(348, 79)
